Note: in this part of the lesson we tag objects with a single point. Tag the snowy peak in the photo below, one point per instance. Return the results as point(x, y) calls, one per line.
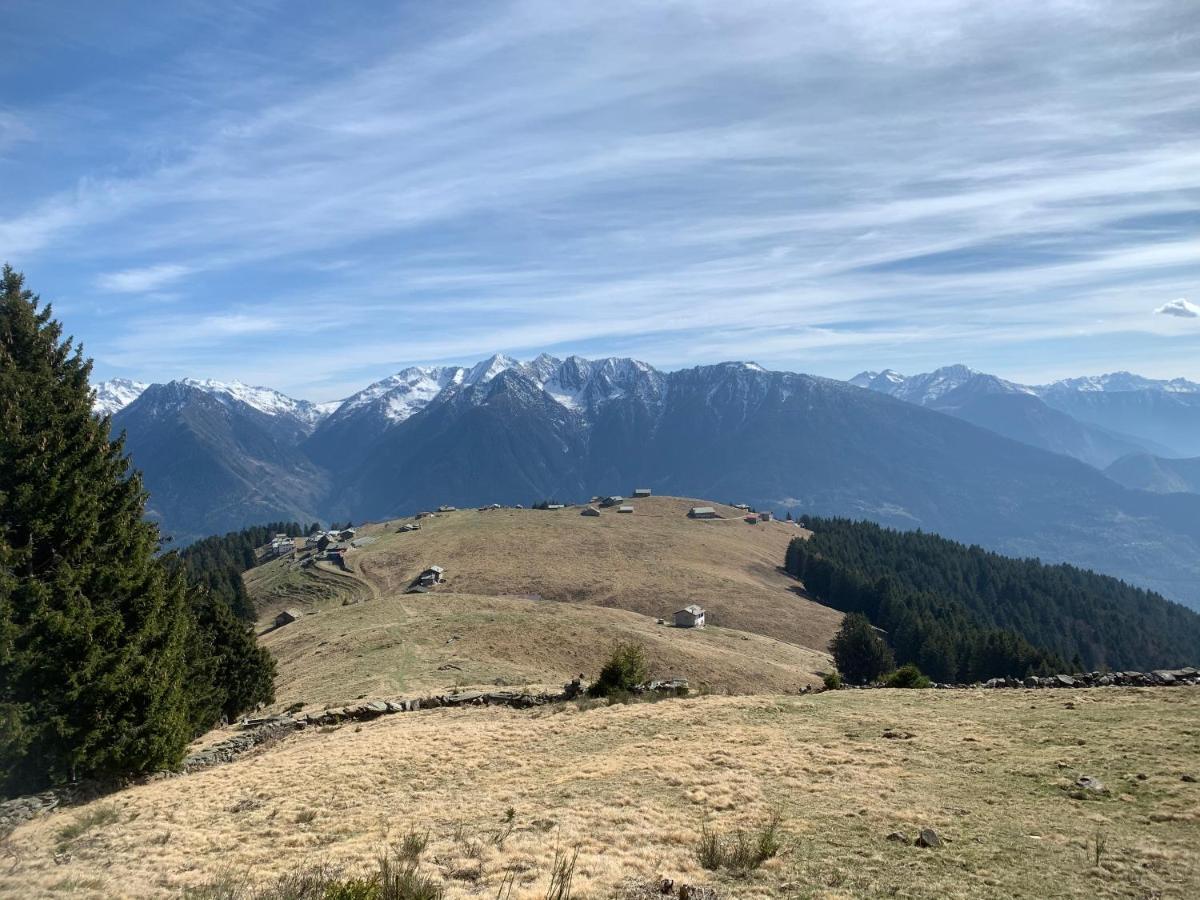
point(265, 400)
point(408, 391)
point(1120, 381)
point(575, 383)
point(930, 388)
point(114, 395)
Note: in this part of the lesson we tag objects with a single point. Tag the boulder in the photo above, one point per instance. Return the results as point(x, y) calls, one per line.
point(928, 838)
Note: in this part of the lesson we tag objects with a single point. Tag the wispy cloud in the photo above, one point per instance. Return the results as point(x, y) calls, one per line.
point(135, 281)
point(826, 182)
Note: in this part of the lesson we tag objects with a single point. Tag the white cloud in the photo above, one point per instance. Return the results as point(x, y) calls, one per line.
point(137, 281)
point(826, 172)
point(1181, 308)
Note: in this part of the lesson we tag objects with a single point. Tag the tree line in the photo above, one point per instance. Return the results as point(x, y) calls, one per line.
point(962, 613)
point(218, 562)
point(111, 660)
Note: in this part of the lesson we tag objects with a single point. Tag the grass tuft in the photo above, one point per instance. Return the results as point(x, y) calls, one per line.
point(740, 851)
point(97, 817)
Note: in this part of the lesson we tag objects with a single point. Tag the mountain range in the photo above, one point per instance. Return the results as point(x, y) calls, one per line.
point(1097, 420)
point(218, 456)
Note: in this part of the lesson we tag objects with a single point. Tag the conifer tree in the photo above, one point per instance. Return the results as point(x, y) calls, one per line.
point(92, 624)
point(860, 654)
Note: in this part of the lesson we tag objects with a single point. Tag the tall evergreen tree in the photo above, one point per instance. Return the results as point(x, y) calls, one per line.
point(861, 654)
point(92, 624)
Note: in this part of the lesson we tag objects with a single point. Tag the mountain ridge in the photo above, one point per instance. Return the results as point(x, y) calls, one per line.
point(515, 432)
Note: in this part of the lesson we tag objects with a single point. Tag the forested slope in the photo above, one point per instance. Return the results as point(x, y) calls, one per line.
point(964, 611)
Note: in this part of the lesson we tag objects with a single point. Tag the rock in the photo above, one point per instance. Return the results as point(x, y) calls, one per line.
point(898, 735)
point(1190, 779)
point(929, 838)
point(1089, 783)
point(1031, 682)
point(898, 837)
point(1063, 681)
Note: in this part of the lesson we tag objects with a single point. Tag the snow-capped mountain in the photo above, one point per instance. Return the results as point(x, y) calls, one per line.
point(580, 386)
point(1031, 415)
point(575, 383)
point(930, 388)
point(265, 400)
point(1119, 381)
point(220, 455)
point(114, 395)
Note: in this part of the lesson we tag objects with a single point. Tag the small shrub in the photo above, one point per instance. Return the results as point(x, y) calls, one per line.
point(908, 676)
point(306, 816)
point(96, 817)
point(833, 681)
point(625, 669)
point(405, 882)
point(741, 851)
point(412, 846)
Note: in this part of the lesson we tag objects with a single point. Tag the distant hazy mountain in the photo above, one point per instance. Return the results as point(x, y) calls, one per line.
point(214, 463)
point(1163, 413)
point(514, 432)
point(1153, 473)
point(1116, 382)
point(1013, 410)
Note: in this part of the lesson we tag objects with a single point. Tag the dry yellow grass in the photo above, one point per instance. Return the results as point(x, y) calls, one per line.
point(535, 596)
point(409, 645)
point(631, 787)
point(652, 562)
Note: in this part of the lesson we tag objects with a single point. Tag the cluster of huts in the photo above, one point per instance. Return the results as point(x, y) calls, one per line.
point(615, 501)
point(281, 545)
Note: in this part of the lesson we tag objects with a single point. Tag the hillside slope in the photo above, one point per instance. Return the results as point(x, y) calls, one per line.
point(537, 595)
point(632, 787)
point(1153, 473)
point(213, 464)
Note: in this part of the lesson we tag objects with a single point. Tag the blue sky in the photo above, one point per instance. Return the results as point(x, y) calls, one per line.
point(311, 196)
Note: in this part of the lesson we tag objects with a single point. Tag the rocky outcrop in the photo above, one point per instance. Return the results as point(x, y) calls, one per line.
point(1185, 677)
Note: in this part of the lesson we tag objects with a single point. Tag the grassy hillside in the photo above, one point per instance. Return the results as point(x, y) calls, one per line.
point(533, 596)
point(632, 787)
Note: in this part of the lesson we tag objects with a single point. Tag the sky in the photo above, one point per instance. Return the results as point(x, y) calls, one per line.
point(312, 196)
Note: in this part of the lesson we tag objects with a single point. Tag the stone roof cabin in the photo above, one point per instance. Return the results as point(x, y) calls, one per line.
point(690, 617)
point(287, 617)
point(702, 512)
